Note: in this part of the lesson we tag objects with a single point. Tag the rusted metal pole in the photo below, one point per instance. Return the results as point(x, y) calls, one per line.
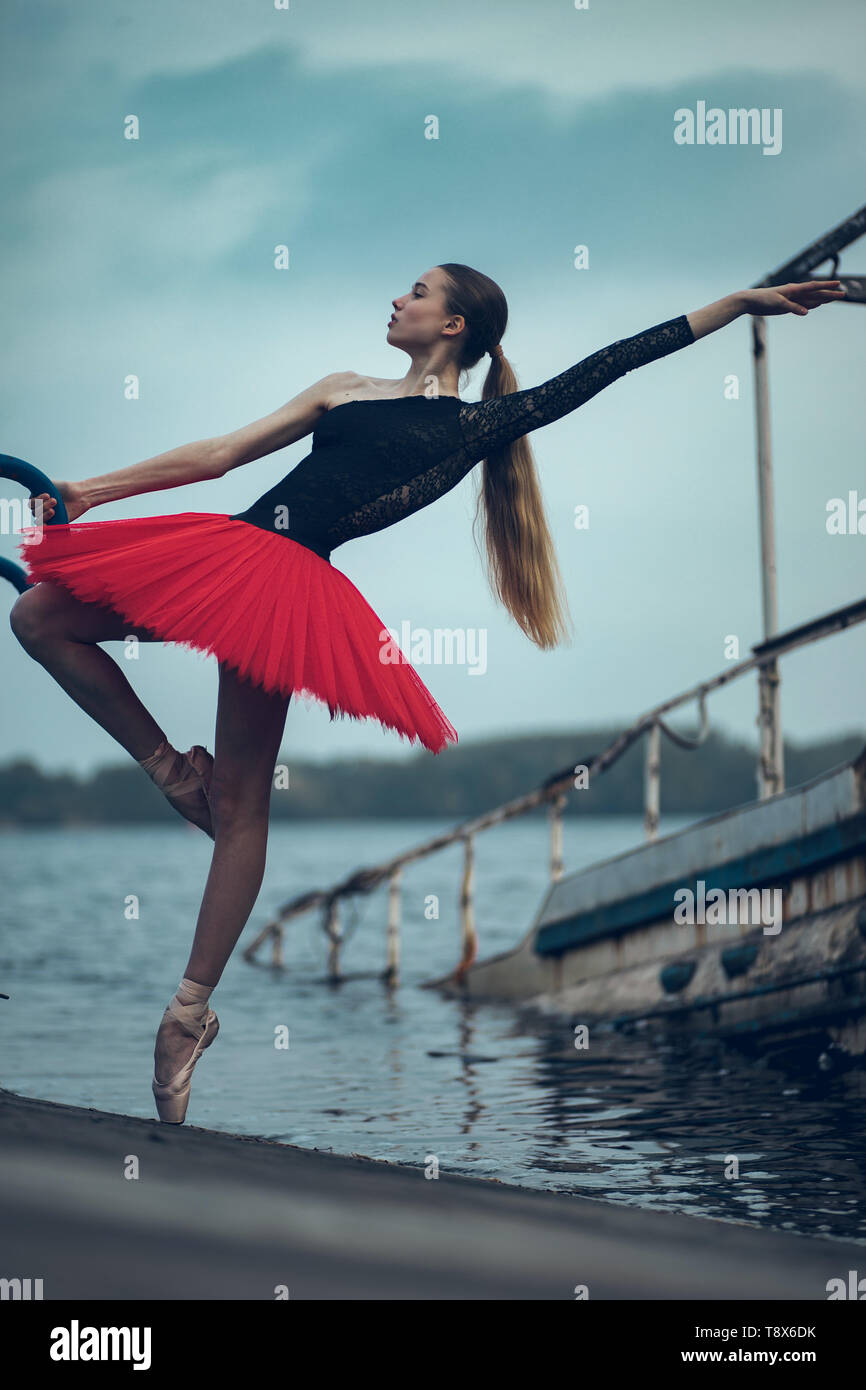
point(468, 934)
point(771, 773)
point(556, 864)
point(259, 939)
point(334, 932)
point(770, 770)
point(392, 962)
point(277, 944)
point(652, 782)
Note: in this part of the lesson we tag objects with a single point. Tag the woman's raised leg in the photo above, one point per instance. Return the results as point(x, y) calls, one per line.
point(249, 729)
point(61, 632)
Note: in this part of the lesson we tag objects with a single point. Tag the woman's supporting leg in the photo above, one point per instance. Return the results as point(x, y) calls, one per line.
point(60, 632)
point(249, 729)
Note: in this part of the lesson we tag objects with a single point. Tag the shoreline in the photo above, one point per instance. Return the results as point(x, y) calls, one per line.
point(212, 1215)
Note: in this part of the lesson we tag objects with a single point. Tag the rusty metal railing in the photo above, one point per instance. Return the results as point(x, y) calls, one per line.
point(553, 792)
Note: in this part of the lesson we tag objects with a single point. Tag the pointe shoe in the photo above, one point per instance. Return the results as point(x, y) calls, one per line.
point(201, 762)
point(179, 791)
point(172, 1097)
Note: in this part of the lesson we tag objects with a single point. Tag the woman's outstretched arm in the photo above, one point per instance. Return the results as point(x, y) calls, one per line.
point(492, 424)
point(203, 460)
point(784, 299)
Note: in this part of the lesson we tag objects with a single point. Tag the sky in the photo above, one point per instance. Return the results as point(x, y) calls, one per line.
point(305, 126)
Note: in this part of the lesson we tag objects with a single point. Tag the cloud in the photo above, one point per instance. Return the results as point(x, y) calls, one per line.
point(149, 221)
point(306, 127)
point(571, 55)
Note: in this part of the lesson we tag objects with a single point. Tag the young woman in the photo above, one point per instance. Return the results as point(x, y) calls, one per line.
point(258, 591)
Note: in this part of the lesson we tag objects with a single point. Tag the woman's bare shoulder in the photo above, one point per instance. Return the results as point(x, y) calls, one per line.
point(356, 386)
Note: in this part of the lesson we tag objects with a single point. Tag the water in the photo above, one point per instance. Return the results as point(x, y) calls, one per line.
point(488, 1089)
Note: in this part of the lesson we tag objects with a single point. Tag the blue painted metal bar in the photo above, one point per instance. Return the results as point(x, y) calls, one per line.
point(35, 481)
point(14, 573)
point(771, 865)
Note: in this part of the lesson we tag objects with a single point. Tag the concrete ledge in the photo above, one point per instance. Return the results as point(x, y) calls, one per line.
point(219, 1216)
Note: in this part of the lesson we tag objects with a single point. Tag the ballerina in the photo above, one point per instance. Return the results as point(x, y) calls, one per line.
point(257, 590)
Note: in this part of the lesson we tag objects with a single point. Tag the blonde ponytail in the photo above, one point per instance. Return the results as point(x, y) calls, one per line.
point(522, 568)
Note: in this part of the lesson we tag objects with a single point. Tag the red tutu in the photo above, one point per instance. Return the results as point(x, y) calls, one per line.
point(273, 610)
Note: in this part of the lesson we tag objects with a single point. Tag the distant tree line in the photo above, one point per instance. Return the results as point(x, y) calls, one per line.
point(463, 781)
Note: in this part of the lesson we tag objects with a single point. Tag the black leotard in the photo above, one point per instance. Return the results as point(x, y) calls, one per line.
point(388, 458)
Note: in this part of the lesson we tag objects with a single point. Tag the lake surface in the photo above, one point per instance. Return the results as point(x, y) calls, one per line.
point(403, 1074)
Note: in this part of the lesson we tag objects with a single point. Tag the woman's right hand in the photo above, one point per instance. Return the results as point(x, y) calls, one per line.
point(73, 496)
point(792, 299)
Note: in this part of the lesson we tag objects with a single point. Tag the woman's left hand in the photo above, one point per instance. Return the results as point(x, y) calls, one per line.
point(792, 299)
point(74, 499)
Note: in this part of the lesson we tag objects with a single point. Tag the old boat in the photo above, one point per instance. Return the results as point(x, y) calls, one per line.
point(751, 923)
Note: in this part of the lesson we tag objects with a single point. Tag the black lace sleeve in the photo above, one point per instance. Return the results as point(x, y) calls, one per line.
point(489, 425)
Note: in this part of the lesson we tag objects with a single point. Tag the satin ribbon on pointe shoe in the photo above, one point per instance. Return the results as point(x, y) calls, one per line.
point(200, 1021)
point(183, 786)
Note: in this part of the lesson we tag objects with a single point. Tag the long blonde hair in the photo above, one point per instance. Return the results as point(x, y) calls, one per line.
point(521, 561)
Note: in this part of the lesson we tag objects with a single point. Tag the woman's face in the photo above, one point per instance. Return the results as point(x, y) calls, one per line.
point(421, 319)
